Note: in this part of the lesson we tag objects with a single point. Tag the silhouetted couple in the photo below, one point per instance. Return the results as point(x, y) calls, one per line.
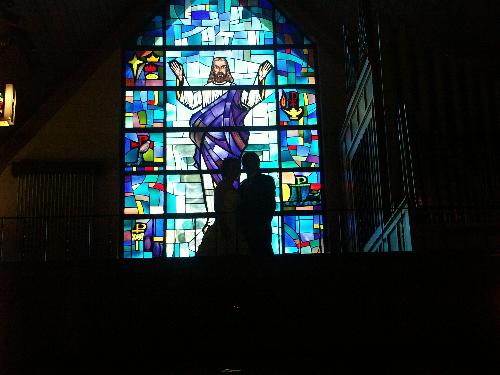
point(243, 216)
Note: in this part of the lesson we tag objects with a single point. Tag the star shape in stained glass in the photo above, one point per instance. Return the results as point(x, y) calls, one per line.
point(135, 63)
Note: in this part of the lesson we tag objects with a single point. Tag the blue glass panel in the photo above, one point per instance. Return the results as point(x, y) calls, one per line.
point(185, 194)
point(303, 234)
point(144, 109)
point(295, 66)
point(301, 191)
point(152, 35)
point(144, 152)
point(287, 32)
point(183, 236)
point(276, 235)
point(298, 107)
point(143, 194)
point(299, 148)
point(143, 238)
point(219, 22)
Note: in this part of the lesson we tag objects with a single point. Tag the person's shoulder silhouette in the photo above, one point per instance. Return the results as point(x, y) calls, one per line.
point(258, 190)
point(257, 205)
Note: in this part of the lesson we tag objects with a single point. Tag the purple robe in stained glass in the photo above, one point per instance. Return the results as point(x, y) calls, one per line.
point(227, 110)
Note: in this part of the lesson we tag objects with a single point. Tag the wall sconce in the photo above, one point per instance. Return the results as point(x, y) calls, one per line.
point(7, 105)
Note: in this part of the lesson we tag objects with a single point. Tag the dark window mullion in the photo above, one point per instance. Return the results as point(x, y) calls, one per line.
point(198, 215)
point(166, 14)
point(274, 86)
point(277, 99)
point(269, 47)
point(320, 152)
point(179, 129)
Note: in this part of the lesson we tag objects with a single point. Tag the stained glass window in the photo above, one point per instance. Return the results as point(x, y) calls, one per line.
point(201, 66)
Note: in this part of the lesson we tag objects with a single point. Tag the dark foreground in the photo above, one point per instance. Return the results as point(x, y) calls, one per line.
point(404, 314)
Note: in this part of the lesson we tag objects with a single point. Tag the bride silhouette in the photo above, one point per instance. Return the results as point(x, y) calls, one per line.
point(224, 237)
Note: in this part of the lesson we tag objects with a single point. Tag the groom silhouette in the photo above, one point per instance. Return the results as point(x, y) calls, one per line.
point(257, 206)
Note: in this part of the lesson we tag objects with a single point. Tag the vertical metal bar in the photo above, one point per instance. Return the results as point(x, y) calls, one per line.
point(84, 221)
point(19, 195)
point(71, 218)
point(47, 207)
point(45, 211)
point(19, 225)
point(87, 213)
point(1, 238)
point(59, 211)
point(20, 181)
point(27, 191)
point(73, 195)
point(74, 214)
point(37, 221)
point(77, 188)
point(46, 240)
point(91, 209)
point(23, 239)
point(80, 212)
point(37, 231)
point(119, 243)
point(82, 216)
point(31, 233)
point(67, 213)
point(52, 215)
point(65, 210)
point(30, 208)
point(281, 221)
point(28, 212)
point(53, 194)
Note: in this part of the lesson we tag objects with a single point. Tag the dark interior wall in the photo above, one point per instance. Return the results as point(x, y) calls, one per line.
point(436, 81)
point(439, 61)
point(441, 66)
point(86, 128)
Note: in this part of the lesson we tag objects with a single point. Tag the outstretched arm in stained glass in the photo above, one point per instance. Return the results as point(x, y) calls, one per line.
point(250, 98)
point(191, 99)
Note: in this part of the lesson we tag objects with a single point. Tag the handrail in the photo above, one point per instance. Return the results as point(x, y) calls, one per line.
point(42, 238)
point(324, 211)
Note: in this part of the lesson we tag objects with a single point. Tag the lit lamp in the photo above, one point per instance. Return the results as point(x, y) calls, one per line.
point(7, 105)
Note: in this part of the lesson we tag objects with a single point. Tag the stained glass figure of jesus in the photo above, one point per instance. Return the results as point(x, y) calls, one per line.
point(218, 108)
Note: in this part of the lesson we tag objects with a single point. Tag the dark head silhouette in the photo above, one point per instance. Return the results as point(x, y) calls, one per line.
point(230, 169)
point(251, 163)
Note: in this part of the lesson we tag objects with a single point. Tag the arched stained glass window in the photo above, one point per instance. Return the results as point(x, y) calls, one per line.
point(207, 80)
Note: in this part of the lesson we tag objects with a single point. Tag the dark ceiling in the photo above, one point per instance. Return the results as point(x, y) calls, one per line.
point(43, 41)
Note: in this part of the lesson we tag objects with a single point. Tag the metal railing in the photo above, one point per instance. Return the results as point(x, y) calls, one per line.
point(59, 238)
point(73, 238)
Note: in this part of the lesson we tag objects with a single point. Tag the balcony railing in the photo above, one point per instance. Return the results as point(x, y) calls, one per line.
point(56, 238)
point(59, 238)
